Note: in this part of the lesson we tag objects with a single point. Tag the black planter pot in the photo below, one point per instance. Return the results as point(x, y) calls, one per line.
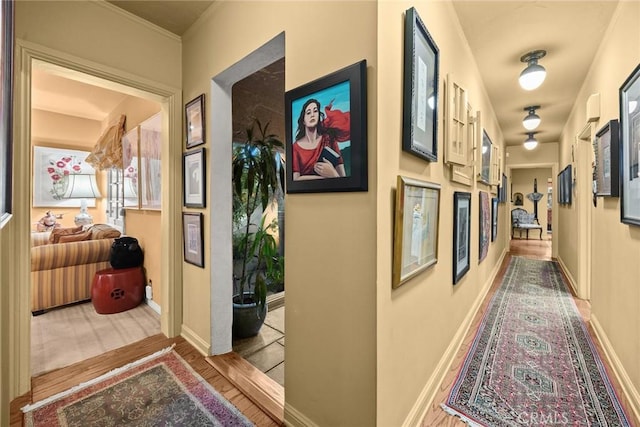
point(247, 317)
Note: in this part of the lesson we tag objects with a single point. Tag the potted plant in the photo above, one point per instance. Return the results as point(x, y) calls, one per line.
point(257, 173)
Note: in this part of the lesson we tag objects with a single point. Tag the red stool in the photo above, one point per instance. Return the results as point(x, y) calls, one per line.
point(116, 290)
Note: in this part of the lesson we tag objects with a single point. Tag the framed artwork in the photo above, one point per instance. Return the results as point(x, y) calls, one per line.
point(494, 218)
point(461, 234)
point(150, 175)
point(193, 238)
point(130, 168)
point(485, 226)
point(53, 175)
point(518, 199)
point(567, 184)
point(326, 127)
point(420, 89)
point(194, 120)
point(630, 149)
point(560, 185)
point(6, 108)
point(415, 243)
point(484, 175)
point(194, 173)
point(607, 165)
point(502, 194)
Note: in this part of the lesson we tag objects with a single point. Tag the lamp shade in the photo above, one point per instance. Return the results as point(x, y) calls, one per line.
point(82, 186)
point(532, 120)
point(530, 143)
point(534, 74)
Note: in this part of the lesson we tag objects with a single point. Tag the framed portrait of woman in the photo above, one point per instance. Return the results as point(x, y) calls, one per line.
point(326, 133)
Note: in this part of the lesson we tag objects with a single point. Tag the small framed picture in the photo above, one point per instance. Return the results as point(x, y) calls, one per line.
point(326, 128)
point(630, 149)
point(607, 165)
point(461, 234)
point(194, 175)
point(415, 242)
point(420, 89)
point(502, 194)
point(194, 120)
point(193, 238)
point(494, 218)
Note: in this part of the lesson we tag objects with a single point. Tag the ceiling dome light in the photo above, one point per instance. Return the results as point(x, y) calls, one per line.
point(532, 76)
point(530, 143)
point(532, 120)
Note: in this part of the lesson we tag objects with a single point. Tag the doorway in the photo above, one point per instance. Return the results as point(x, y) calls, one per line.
point(87, 72)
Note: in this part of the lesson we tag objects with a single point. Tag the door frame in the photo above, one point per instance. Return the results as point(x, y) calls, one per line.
point(171, 275)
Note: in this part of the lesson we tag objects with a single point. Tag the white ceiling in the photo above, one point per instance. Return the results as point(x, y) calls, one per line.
point(499, 33)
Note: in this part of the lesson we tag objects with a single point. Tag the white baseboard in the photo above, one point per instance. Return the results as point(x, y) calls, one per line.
point(428, 393)
point(192, 338)
point(295, 418)
point(154, 305)
point(632, 394)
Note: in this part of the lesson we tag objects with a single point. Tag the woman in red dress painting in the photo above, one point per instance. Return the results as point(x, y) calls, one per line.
point(316, 131)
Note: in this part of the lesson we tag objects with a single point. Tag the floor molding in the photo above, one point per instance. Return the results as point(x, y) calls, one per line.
point(295, 418)
point(428, 393)
point(632, 394)
point(267, 394)
point(193, 339)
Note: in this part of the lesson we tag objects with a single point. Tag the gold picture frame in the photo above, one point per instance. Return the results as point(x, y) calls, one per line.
point(415, 243)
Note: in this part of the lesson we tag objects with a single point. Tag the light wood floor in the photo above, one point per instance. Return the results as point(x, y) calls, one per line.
point(59, 380)
point(536, 249)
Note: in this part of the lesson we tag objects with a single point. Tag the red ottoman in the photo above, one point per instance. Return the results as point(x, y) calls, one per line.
point(116, 290)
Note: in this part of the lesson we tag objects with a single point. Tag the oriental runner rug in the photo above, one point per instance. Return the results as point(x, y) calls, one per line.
point(161, 389)
point(532, 361)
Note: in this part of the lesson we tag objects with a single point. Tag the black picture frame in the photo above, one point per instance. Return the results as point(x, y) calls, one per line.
point(629, 152)
point(193, 238)
point(194, 174)
point(195, 122)
point(568, 184)
point(461, 234)
point(607, 150)
point(494, 218)
point(420, 89)
point(560, 184)
point(7, 37)
point(502, 193)
point(344, 91)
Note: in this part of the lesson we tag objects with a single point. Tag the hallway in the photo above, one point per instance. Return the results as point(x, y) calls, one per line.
point(533, 249)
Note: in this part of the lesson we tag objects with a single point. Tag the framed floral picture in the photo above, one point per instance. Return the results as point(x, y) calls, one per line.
point(54, 170)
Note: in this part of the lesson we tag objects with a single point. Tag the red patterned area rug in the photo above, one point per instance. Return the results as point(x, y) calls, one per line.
point(532, 361)
point(161, 389)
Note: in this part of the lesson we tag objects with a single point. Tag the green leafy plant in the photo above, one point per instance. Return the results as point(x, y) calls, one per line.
point(257, 173)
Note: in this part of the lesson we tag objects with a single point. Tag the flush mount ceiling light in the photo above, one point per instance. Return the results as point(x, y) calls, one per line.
point(532, 120)
point(530, 143)
point(532, 76)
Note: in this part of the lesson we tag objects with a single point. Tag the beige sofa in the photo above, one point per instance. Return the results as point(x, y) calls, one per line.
point(62, 273)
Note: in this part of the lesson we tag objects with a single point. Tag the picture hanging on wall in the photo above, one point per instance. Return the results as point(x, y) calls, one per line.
point(194, 121)
point(606, 148)
point(193, 172)
point(485, 226)
point(494, 219)
point(630, 149)
point(326, 128)
point(415, 242)
point(193, 238)
point(461, 234)
point(420, 89)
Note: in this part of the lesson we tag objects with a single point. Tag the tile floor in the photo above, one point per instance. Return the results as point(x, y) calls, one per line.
point(265, 351)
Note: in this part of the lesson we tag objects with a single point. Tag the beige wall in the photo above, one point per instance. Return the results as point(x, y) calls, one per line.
point(105, 41)
point(330, 318)
point(615, 246)
point(418, 321)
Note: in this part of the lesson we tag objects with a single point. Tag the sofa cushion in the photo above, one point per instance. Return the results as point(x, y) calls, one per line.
point(56, 233)
point(75, 237)
point(103, 231)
